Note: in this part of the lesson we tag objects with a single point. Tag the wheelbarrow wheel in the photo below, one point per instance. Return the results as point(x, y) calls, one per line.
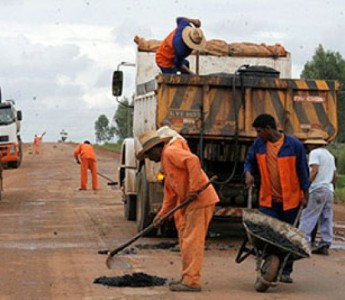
point(260, 286)
point(270, 268)
point(268, 272)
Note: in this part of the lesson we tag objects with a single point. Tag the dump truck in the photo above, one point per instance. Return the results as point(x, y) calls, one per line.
point(10, 141)
point(214, 110)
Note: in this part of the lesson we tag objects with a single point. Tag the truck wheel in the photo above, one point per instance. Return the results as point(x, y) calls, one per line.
point(144, 218)
point(130, 207)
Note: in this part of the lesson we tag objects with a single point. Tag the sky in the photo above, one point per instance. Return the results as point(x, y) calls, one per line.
point(57, 56)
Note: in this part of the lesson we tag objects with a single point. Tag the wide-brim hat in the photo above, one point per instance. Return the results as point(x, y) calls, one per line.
point(194, 38)
point(148, 140)
point(316, 137)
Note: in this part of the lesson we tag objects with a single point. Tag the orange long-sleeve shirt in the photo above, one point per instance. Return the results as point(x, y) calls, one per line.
point(84, 151)
point(184, 175)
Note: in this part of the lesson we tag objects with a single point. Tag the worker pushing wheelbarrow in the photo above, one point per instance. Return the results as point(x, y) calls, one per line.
point(272, 242)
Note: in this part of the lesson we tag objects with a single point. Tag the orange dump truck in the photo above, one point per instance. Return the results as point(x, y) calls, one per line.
point(214, 111)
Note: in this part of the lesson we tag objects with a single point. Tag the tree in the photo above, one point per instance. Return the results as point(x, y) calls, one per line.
point(104, 132)
point(64, 135)
point(123, 119)
point(329, 65)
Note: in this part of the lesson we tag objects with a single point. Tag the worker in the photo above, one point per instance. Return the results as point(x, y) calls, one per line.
point(323, 178)
point(37, 142)
point(281, 162)
point(173, 50)
point(183, 178)
point(85, 155)
point(178, 141)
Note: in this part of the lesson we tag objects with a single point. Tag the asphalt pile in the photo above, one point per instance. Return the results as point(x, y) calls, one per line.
point(268, 233)
point(135, 280)
point(162, 245)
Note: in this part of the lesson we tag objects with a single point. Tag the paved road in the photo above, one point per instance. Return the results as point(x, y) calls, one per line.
point(50, 234)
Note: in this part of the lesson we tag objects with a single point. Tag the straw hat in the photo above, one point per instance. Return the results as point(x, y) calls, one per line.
point(316, 137)
point(148, 140)
point(194, 38)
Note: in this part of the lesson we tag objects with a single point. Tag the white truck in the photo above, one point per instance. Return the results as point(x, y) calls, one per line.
point(10, 141)
point(213, 111)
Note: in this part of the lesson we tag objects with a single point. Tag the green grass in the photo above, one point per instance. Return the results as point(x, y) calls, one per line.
point(340, 189)
point(110, 147)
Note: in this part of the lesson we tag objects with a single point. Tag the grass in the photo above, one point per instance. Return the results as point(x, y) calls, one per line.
point(110, 147)
point(340, 189)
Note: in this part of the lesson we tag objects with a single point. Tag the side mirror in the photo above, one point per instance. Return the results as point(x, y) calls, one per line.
point(19, 115)
point(117, 83)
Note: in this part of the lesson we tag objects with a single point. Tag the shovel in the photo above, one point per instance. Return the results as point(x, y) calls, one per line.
point(110, 181)
point(110, 259)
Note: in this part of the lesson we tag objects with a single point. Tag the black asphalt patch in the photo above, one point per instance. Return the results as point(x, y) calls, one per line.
point(134, 280)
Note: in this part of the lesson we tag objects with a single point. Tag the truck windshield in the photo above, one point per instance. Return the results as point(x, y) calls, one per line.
point(6, 115)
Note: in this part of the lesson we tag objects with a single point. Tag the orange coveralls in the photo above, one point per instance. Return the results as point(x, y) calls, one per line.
point(37, 141)
point(183, 175)
point(87, 157)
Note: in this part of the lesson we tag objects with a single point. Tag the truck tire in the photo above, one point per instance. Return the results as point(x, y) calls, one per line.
point(144, 218)
point(130, 207)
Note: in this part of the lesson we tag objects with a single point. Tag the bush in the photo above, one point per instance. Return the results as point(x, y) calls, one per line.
point(340, 189)
point(339, 152)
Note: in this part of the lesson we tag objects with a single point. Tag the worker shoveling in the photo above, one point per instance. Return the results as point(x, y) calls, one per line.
point(111, 261)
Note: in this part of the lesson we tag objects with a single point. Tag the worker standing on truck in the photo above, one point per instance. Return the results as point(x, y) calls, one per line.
point(173, 50)
point(85, 155)
point(323, 178)
point(183, 176)
point(281, 162)
point(37, 142)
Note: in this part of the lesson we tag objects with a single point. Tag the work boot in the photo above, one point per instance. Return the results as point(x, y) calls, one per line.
point(181, 287)
point(173, 282)
point(321, 250)
point(286, 278)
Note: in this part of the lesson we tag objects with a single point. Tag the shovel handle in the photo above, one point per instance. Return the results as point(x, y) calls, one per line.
point(164, 217)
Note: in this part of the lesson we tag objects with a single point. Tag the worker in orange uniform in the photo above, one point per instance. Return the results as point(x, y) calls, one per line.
point(37, 142)
point(183, 177)
point(85, 155)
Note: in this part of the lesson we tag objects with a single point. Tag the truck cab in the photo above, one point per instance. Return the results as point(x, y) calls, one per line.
point(10, 141)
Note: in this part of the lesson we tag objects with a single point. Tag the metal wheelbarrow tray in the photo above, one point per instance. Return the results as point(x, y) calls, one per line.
point(273, 242)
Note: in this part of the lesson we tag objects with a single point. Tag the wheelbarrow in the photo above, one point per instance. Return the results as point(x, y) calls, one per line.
point(272, 242)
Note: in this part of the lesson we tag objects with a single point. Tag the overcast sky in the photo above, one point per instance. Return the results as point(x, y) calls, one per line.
point(57, 56)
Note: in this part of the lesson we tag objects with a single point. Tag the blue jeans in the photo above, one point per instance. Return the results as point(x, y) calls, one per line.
point(288, 216)
point(175, 70)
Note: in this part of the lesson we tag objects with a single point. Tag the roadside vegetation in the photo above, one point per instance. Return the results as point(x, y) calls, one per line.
point(339, 152)
point(114, 147)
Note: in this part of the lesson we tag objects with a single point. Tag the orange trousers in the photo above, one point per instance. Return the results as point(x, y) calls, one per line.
point(36, 148)
point(192, 235)
point(85, 165)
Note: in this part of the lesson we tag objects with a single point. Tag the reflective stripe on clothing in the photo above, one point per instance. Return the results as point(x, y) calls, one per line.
point(319, 209)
